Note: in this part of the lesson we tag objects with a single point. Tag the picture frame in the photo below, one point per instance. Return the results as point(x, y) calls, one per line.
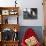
point(30, 13)
point(5, 12)
point(13, 12)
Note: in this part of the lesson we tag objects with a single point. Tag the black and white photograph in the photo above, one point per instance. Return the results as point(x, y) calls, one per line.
point(30, 13)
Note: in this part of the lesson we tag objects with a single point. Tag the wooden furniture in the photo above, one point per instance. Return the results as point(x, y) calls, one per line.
point(5, 23)
point(8, 11)
point(10, 43)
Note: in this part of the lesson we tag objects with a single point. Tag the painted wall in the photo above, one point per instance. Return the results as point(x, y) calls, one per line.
point(32, 4)
point(26, 4)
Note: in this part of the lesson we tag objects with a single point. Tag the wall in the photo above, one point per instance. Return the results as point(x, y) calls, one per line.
point(7, 3)
point(32, 4)
point(27, 4)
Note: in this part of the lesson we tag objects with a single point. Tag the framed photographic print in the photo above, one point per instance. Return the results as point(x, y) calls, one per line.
point(30, 13)
point(5, 12)
point(13, 12)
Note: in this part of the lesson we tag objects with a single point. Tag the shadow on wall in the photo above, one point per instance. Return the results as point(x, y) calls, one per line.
point(37, 29)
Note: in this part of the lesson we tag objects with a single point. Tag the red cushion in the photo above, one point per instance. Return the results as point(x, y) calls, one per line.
point(29, 33)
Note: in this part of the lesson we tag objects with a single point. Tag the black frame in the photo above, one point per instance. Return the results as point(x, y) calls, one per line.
point(29, 15)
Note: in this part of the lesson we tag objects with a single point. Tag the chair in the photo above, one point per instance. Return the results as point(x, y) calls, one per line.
point(29, 33)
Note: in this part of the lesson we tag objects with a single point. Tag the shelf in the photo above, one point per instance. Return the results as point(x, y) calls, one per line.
point(9, 10)
point(10, 26)
point(11, 41)
point(6, 12)
point(10, 19)
point(9, 22)
point(4, 8)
